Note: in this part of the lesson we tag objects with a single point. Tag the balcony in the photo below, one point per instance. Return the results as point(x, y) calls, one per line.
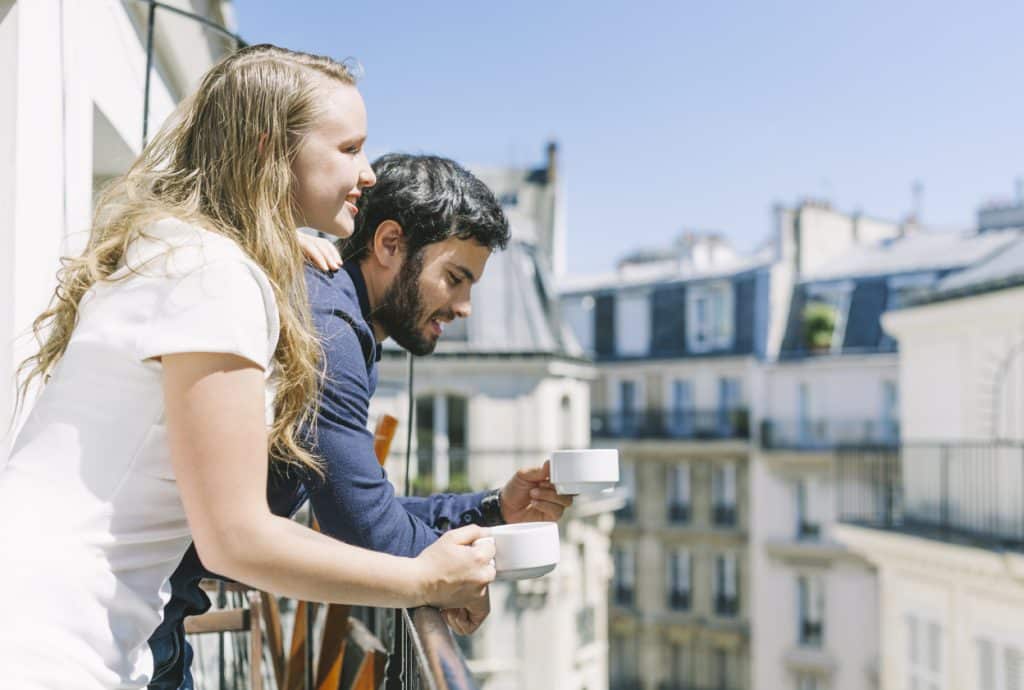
point(827, 434)
point(964, 493)
point(356, 647)
point(623, 595)
point(723, 515)
point(727, 606)
point(679, 513)
point(808, 531)
point(679, 600)
point(811, 633)
point(693, 425)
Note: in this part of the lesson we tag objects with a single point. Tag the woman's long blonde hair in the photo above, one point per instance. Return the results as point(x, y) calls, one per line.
point(223, 162)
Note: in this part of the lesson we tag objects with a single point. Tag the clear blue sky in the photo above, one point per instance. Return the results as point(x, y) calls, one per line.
point(677, 115)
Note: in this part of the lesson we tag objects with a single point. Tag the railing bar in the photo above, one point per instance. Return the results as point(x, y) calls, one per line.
point(209, 23)
point(150, 25)
point(417, 647)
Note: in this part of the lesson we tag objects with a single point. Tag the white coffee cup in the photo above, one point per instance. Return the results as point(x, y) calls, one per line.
point(524, 550)
point(586, 471)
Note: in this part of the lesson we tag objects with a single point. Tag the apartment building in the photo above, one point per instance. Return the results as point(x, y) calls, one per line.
point(941, 516)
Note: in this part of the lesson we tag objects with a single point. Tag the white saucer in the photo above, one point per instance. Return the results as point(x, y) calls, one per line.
point(525, 573)
point(584, 488)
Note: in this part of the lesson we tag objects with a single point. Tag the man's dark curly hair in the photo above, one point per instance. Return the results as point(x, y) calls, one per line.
point(432, 198)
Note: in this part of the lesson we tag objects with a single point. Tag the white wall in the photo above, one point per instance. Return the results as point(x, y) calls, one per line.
point(60, 62)
point(950, 358)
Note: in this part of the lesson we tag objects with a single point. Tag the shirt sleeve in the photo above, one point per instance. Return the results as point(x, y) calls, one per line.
point(354, 501)
point(217, 303)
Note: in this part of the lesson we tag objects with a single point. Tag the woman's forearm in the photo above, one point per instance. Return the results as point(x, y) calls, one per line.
point(289, 559)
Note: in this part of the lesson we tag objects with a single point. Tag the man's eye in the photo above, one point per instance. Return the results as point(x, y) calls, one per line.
point(453, 279)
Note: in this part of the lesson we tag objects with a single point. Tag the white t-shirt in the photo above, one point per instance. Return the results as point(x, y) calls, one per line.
point(91, 520)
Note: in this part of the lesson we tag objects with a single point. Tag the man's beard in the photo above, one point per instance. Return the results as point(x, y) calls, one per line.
point(401, 310)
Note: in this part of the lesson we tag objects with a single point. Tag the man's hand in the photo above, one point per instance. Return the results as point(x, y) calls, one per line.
point(531, 497)
point(465, 621)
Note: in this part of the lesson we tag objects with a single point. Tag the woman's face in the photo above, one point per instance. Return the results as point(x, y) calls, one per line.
point(330, 167)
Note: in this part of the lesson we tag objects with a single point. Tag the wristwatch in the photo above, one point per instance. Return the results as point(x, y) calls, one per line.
point(490, 507)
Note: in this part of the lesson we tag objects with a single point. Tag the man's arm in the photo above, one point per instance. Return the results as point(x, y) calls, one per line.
point(354, 501)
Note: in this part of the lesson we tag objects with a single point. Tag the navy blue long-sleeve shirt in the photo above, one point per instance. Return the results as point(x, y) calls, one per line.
point(354, 501)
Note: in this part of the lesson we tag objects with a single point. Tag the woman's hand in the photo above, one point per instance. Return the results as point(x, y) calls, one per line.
point(455, 572)
point(321, 252)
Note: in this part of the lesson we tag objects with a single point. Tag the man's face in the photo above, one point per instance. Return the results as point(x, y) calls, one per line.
point(431, 290)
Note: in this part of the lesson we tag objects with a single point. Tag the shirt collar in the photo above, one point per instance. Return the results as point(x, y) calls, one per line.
point(356, 274)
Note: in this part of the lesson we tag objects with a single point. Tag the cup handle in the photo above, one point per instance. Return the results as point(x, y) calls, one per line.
point(481, 540)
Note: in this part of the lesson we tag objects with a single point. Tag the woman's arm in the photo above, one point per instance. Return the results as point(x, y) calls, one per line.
point(218, 441)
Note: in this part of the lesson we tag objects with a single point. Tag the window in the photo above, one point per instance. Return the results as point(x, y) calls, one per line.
point(627, 418)
point(632, 325)
point(727, 598)
point(565, 424)
point(709, 317)
point(680, 664)
point(625, 576)
point(890, 412)
point(924, 654)
point(1000, 667)
point(627, 480)
point(679, 493)
point(730, 419)
point(682, 416)
point(811, 614)
point(723, 494)
point(679, 580)
point(441, 439)
point(806, 527)
point(809, 681)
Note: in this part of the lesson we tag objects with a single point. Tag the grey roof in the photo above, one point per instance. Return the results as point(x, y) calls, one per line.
point(515, 311)
point(1003, 268)
point(919, 251)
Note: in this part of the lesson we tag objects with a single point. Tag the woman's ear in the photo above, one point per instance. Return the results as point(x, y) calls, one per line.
point(389, 244)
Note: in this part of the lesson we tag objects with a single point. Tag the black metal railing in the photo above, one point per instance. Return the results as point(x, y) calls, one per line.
point(671, 424)
point(586, 625)
point(811, 633)
point(827, 434)
point(679, 513)
point(679, 600)
point(971, 493)
point(723, 515)
point(808, 531)
point(623, 595)
point(627, 513)
point(727, 606)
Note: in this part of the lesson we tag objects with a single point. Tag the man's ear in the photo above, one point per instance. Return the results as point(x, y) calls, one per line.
point(389, 245)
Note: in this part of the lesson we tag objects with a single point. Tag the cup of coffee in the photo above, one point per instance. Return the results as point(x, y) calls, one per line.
point(588, 471)
point(524, 550)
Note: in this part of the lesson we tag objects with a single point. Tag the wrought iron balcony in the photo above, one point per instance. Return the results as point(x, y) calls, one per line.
point(811, 633)
point(684, 424)
point(968, 493)
point(723, 515)
point(679, 600)
point(624, 595)
point(727, 606)
point(827, 434)
point(679, 513)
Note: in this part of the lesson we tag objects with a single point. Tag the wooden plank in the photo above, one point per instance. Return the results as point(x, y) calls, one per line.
point(255, 642)
point(230, 620)
point(275, 635)
point(332, 647)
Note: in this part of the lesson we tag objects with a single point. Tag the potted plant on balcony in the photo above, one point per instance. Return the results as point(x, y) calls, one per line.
point(819, 321)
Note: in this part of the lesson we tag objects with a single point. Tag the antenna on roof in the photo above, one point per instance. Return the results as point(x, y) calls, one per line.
point(917, 200)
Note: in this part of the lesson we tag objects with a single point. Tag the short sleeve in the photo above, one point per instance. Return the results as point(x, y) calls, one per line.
point(221, 304)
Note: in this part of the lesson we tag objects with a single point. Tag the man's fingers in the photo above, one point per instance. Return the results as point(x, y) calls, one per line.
point(534, 474)
point(551, 511)
point(551, 496)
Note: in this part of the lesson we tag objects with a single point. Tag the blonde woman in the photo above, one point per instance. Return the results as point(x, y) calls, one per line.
point(177, 352)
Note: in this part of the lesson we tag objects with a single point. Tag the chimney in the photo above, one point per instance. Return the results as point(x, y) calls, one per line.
point(552, 163)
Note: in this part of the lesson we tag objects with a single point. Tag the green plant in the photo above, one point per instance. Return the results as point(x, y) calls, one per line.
point(819, 321)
